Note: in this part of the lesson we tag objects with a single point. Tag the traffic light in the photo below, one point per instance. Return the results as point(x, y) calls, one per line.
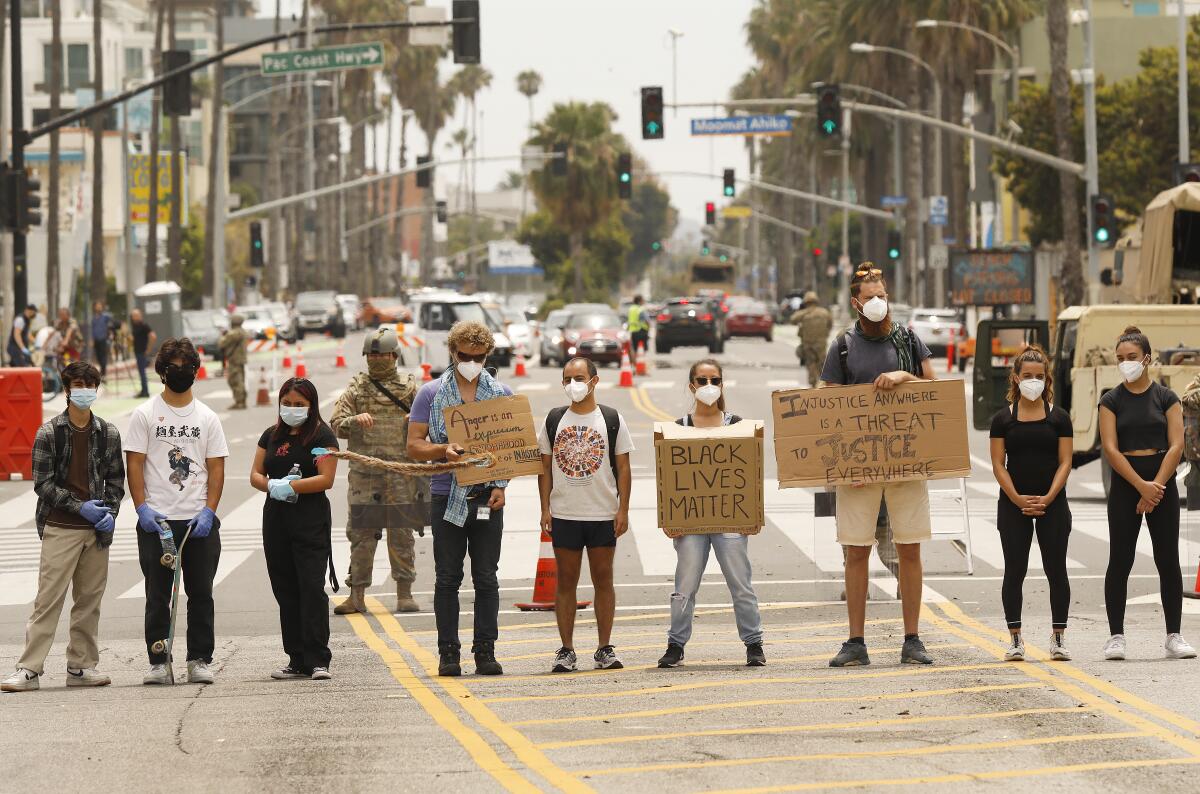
point(624, 175)
point(704, 249)
point(724, 257)
point(558, 166)
point(1104, 227)
point(829, 110)
point(893, 243)
point(730, 189)
point(652, 112)
point(177, 92)
point(424, 175)
point(29, 200)
point(817, 252)
point(256, 244)
point(656, 246)
point(710, 213)
point(465, 35)
point(440, 209)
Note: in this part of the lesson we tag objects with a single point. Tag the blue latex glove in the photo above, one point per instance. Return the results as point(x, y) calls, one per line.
point(202, 524)
point(148, 519)
point(106, 524)
point(281, 489)
point(93, 511)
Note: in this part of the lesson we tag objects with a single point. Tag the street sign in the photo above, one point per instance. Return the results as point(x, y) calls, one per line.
point(428, 37)
point(939, 211)
point(890, 202)
point(510, 256)
point(762, 124)
point(939, 256)
point(323, 59)
point(139, 187)
point(736, 211)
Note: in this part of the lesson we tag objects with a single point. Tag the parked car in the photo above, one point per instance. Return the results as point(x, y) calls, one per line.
point(550, 345)
point(350, 309)
point(748, 317)
point(935, 327)
point(259, 321)
point(689, 321)
point(594, 333)
point(437, 312)
point(379, 310)
point(319, 312)
point(520, 332)
point(204, 327)
point(285, 327)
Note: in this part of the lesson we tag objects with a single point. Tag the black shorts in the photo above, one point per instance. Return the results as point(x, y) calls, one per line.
point(639, 336)
point(568, 534)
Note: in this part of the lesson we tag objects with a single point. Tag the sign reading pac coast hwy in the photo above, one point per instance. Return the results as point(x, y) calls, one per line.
point(323, 59)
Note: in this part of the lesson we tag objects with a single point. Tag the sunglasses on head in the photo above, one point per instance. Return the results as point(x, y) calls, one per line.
point(479, 359)
point(869, 271)
point(703, 381)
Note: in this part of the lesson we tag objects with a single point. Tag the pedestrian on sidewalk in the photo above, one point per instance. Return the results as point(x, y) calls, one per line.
point(233, 350)
point(144, 340)
point(102, 328)
point(297, 526)
point(465, 519)
point(883, 353)
point(176, 454)
point(20, 338)
point(72, 338)
point(732, 548)
point(1141, 433)
point(80, 480)
point(373, 414)
point(584, 488)
point(1031, 459)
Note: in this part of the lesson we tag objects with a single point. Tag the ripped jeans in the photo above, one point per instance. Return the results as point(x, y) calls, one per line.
point(732, 553)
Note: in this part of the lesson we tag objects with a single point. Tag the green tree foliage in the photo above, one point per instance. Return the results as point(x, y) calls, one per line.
point(649, 217)
point(603, 254)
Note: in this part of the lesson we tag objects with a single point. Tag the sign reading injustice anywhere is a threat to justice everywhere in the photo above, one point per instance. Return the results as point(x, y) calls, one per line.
point(762, 124)
point(323, 59)
point(502, 426)
point(991, 278)
point(709, 479)
point(843, 435)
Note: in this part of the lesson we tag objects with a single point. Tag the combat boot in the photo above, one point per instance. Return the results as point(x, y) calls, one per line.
point(404, 600)
point(353, 603)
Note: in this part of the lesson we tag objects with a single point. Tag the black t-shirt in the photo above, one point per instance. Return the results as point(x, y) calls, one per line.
point(281, 455)
point(1141, 418)
point(141, 337)
point(1031, 448)
point(730, 419)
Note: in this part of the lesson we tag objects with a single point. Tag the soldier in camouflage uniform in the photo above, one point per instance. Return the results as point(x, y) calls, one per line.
point(815, 322)
point(233, 350)
point(373, 414)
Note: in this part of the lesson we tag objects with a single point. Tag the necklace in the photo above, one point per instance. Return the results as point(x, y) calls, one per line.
point(191, 407)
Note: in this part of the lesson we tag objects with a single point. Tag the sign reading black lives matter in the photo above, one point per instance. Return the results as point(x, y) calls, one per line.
point(504, 426)
point(843, 435)
point(709, 479)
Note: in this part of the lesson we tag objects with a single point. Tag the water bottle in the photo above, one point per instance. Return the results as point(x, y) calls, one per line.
point(295, 472)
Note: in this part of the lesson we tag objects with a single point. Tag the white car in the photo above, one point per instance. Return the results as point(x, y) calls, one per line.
point(936, 327)
point(351, 306)
point(257, 320)
point(519, 332)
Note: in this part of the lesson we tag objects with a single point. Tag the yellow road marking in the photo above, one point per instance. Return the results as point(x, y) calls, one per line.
point(765, 730)
point(907, 670)
point(472, 742)
point(644, 404)
point(744, 704)
point(659, 632)
point(939, 749)
point(524, 749)
point(818, 639)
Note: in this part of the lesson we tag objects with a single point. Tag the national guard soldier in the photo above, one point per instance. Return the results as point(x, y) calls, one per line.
point(373, 414)
point(233, 350)
point(815, 322)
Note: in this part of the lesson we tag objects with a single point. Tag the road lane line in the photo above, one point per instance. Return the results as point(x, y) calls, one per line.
point(774, 630)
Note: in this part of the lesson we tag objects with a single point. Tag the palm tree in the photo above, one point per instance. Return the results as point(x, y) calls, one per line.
point(52, 247)
point(1060, 97)
point(432, 108)
point(529, 82)
point(467, 83)
point(587, 195)
point(99, 282)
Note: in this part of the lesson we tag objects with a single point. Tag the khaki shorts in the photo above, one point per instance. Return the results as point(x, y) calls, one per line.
point(907, 506)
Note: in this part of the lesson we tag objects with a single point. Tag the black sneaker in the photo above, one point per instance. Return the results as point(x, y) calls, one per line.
point(565, 661)
point(914, 652)
point(673, 657)
point(755, 656)
point(852, 654)
point(485, 661)
point(606, 659)
point(448, 663)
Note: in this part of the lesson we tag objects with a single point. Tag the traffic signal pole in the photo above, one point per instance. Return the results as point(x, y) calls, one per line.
point(19, 249)
point(1091, 155)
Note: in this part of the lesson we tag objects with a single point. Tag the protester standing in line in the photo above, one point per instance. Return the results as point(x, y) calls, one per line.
point(297, 525)
point(20, 338)
point(1141, 433)
point(80, 480)
point(1031, 458)
point(102, 326)
point(233, 350)
point(465, 519)
point(732, 548)
point(144, 340)
point(176, 452)
point(883, 353)
point(584, 486)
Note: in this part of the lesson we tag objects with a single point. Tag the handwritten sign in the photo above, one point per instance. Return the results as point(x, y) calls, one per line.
point(991, 278)
point(710, 479)
point(857, 434)
point(503, 426)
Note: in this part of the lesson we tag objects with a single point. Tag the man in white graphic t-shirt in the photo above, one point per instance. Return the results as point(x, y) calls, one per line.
point(585, 504)
point(176, 454)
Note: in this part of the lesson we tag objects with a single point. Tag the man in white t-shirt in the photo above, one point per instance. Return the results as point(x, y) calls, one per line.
point(176, 454)
point(585, 504)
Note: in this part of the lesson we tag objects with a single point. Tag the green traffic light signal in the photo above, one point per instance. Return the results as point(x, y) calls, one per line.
point(829, 126)
point(652, 128)
point(704, 250)
point(258, 245)
point(1102, 235)
point(894, 253)
point(724, 258)
point(656, 245)
point(625, 177)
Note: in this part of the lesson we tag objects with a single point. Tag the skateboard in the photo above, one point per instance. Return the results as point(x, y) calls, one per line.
point(172, 557)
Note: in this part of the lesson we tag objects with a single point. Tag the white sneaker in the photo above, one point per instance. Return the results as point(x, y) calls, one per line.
point(321, 674)
point(1016, 651)
point(158, 675)
point(1058, 651)
point(198, 672)
point(1178, 648)
point(1114, 649)
point(21, 681)
point(288, 673)
point(86, 677)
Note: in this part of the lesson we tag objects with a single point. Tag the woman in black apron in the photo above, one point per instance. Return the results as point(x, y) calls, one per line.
point(297, 526)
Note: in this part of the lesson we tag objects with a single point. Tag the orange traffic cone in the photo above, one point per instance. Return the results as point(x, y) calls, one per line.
point(545, 580)
point(426, 374)
point(287, 355)
point(301, 370)
point(519, 369)
point(641, 361)
point(202, 373)
point(340, 361)
point(626, 373)
point(1195, 593)
point(264, 391)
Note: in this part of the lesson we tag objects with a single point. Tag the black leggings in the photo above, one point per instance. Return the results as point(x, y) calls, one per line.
point(1124, 524)
point(1016, 536)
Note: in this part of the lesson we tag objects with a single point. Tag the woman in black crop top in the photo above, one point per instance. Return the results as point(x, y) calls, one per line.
point(1141, 432)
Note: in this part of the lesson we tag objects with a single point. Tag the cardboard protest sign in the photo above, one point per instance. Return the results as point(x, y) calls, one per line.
point(709, 479)
point(502, 426)
point(842, 435)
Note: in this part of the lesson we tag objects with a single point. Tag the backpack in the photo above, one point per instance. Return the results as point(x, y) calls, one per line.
point(844, 355)
point(612, 423)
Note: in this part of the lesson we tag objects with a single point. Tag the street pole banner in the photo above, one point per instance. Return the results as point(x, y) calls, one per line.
point(503, 426)
point(323, 59)
point(843, 435)
point(709, 479)
point(139, 187)
point(762, 124)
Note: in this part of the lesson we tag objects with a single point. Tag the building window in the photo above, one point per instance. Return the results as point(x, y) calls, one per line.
point(134, 63)
point(32, 8)
point(77, 72)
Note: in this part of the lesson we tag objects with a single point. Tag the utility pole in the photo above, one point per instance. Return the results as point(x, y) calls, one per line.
point(1090, 164)
point(19, 257)
point(843, 194)
point(755, 268)
point(310, 165)
point(675, 36)
point(1185, 150)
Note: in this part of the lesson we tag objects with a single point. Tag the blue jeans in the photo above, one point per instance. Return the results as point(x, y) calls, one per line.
point(732, 553)
point(142, 363)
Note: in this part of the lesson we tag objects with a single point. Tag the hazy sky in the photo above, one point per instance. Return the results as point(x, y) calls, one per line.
point(605, 51)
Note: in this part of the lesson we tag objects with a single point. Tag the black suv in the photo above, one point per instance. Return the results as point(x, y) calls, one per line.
point(689, 321)
point(319, 312)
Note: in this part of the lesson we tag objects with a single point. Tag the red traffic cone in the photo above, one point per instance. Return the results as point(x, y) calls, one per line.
point(264, 391)
point(287, 355)
point(301, 370)
point(626, 373)
point(426, 374)
point(545, 580)
point(202, 373)
point(1195, 593)
point(519, 369)
point(340, 361)
point(641, 358)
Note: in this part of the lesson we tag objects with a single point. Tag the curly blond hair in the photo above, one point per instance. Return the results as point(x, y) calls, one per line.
point(470, 333)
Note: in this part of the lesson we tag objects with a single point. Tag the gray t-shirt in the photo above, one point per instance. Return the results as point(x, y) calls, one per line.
point(865, 359)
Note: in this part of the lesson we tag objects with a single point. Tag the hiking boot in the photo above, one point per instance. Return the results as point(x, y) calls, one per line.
point(1058, 651)
point(913, 652)
point(673, 657)
point(448, 663)
point(404, 600)
point(852, 654)
point(755, 656)
point(198, 672)
point(158, 675)
point(1177, 647)
point(565, 661)
point(1016, 651)
point(86, 677)
point(606, 659)
point(289, 673)
point(485, 660)
point(353, 602)
point(1114, 649)
point(21, 681)
point(321, 674)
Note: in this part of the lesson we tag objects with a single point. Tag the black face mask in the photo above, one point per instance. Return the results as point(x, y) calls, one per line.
point(179, 379)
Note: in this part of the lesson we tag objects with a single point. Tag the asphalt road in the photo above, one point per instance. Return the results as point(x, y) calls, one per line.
point(385, 722)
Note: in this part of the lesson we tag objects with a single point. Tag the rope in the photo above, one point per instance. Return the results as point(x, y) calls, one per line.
point(486, 459)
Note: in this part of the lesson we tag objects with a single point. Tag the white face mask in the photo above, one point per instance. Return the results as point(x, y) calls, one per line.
point(708, 394)
point(1032, 388)
point(469, 369)
point(875, 309)
point(293, 416)
point(1131, 370)
point(577, 390)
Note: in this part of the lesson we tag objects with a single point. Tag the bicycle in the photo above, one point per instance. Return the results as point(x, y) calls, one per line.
point(52, 384)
